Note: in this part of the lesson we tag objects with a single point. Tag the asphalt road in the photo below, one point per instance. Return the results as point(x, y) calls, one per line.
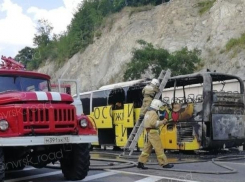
point(30, 174)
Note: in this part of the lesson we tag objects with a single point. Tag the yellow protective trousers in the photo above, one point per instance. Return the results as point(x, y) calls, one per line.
point(145, 105)
point(153, 141)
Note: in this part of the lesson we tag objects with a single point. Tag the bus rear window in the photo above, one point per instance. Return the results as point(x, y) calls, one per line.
point(227, 86)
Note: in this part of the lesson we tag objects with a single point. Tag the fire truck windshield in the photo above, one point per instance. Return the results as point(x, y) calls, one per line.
point(21, 83)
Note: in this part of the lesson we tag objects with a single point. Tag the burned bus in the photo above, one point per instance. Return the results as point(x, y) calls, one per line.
point(204, 110)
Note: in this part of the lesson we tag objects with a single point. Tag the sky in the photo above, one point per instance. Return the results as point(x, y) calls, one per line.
point(18, 21)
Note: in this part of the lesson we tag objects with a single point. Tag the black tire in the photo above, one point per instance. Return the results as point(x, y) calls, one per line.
point(12, 168)
point(2, 166)
point(91, 147)
point(75, 164)
point(116, 148)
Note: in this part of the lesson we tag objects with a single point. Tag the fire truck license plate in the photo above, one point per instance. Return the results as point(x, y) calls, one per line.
point(56, 139)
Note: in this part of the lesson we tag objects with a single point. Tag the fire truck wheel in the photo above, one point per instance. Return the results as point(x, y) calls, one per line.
point(75, 164)
point(2, 166)
point(11, 167)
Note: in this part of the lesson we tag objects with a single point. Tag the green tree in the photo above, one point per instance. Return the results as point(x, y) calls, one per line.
point(33, 57)
point(44, 29)
point(184, 61)
point(146, 58)
point(118, 5)
point(157, 59)
point(25, 55)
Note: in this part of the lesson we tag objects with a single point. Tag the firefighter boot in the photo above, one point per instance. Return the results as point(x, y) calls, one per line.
point(168, 166)
point(141, 166)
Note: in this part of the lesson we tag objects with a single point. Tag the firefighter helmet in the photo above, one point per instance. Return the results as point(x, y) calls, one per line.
point(156, 104)
point(155, 82)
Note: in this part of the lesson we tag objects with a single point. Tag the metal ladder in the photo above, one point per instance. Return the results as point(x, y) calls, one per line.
point(139, 126)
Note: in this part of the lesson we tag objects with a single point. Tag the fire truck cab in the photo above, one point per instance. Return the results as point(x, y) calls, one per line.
point(38, 126)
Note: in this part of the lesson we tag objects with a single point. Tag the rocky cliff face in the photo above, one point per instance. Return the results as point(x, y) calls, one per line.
point(171, 26)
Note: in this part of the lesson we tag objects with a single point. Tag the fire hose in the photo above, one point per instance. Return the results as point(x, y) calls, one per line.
point(122, 162)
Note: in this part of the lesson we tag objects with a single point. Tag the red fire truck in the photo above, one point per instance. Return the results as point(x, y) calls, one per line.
point(38, 126)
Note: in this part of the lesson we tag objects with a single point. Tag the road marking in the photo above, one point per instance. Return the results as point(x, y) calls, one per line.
point(154, 176)
point(88, 178)
point(97, 176)
point(149, 179)
point(34, 176)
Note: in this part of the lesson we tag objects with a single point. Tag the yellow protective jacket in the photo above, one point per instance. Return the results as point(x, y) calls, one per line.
point(151, 120)
point(150, 91)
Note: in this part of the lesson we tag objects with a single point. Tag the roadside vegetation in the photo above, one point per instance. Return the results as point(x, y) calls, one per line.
point(84, 27)
point(140, 9)
point(205, 6)
point(232, 43)
point(151, 59)
point(235, 45)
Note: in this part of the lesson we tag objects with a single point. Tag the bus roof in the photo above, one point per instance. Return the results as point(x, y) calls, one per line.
point(116, 85)
point(196, 78)
point(122, 84)
point(189, 79)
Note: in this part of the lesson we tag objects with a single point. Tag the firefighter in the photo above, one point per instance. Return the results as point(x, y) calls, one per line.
point(151, 124)
point(118, 105)
point(149, 92)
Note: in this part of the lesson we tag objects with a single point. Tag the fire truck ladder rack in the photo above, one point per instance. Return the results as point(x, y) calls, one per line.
point(9, 63)
point(138, 128)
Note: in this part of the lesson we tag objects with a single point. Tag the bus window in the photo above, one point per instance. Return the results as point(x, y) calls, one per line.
point(86, 103)
point(186, 91)
point(134, 95)
point(185, 98)
point(99, 99)
point(116, 98)
point(227, 86)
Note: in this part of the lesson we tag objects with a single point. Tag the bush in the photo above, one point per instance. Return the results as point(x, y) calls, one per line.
point(184, 61)
point(140, 9)
point(204, 6)
point(239, 42)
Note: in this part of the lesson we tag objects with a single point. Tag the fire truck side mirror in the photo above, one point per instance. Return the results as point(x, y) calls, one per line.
point(73, 84)
point(68, 90)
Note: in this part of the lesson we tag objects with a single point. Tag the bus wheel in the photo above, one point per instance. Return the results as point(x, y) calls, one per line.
point(75, 163)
